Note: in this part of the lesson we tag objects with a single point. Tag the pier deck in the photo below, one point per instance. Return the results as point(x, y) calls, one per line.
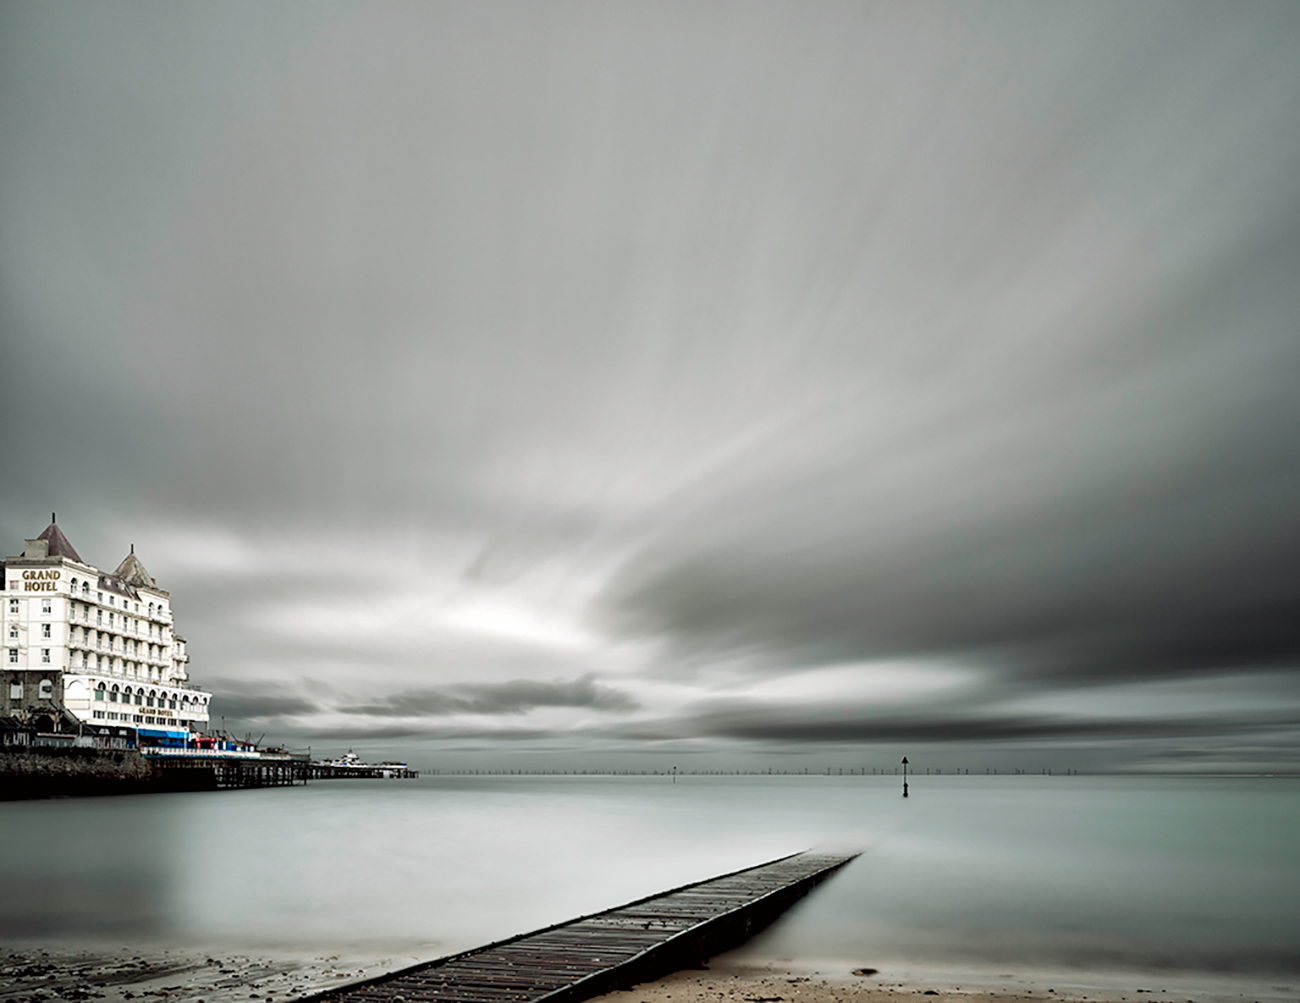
point(592, 955)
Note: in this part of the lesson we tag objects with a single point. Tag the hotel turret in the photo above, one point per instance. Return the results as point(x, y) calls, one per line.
point(85, 647)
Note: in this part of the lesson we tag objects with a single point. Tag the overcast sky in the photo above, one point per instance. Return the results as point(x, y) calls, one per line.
point(766, 384)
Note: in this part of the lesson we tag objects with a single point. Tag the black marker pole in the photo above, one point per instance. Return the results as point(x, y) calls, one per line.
point(904, 776)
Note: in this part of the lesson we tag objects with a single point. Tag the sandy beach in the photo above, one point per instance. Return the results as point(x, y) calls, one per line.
point(736, 978)
point(112, 973)
point(34, 974)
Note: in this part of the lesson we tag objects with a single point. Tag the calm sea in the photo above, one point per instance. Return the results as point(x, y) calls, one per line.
point(1188, 873)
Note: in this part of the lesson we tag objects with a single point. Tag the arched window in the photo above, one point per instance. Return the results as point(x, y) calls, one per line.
point(74, 585)
point(99, 692)
point(85, 588)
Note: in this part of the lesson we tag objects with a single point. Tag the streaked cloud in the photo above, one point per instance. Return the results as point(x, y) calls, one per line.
point(752, 375)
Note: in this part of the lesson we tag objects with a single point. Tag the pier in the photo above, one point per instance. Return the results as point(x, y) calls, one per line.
point(364, 771)
point(596, 954)
point(190, 769)
point(200, 770)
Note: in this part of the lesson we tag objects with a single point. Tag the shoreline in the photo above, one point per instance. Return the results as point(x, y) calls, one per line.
point(32, 972)
point(743, 977)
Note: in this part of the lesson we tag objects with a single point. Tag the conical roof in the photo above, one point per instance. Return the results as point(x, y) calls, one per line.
point(58, 545)
point(133, 572)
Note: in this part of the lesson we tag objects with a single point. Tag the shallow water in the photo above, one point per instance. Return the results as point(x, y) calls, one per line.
point(1190, 873)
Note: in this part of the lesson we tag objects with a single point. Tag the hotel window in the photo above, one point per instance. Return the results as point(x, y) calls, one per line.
point(13, 603)
point(45, 655)
point(99, 692)
point(85, 588)
point(112, 695)
point(45, 605)
point(99, 714)
point(171, 704)
point(13, 656)
point(74, 585)
point(47, 689)
point(99, 616)
point(45, 630)
point(138, 699)
point(99, 597)
point(13, 631)
point(112, 601)
point(110, 619)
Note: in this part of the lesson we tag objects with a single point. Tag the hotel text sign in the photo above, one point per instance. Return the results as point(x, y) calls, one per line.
point(45, 580)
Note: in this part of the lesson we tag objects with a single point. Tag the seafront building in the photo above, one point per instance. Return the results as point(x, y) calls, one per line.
point(93, 654)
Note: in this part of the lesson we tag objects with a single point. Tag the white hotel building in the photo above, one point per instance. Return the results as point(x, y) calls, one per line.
point(82, 645)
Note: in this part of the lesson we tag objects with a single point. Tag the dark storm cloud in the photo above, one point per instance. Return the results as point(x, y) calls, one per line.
point(1111, 523)
point(832, 727)
point(255, 703)
point(518, 696)
point(489, 736)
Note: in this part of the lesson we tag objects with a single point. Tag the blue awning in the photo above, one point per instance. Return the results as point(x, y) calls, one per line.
point(159, 733)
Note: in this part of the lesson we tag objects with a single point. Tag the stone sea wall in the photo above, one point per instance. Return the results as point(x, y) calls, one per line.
point(54, 771)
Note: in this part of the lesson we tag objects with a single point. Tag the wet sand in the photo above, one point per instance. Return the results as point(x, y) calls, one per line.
point(114, 973)
point(737, 979)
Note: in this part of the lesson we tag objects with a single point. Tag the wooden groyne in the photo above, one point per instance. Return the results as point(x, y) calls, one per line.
point(595, 954)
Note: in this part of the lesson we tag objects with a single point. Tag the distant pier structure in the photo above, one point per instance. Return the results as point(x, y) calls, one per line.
point(254, 768)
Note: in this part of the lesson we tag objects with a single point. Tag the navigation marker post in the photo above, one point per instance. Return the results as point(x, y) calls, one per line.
point(904, 776)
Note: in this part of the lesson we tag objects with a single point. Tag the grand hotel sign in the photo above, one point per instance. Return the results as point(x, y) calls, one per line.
point(43, 580)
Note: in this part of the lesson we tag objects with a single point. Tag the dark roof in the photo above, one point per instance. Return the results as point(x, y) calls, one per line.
point(133, 572)
point(58, 543)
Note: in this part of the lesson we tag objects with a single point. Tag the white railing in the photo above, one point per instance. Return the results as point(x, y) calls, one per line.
point(200, 753)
